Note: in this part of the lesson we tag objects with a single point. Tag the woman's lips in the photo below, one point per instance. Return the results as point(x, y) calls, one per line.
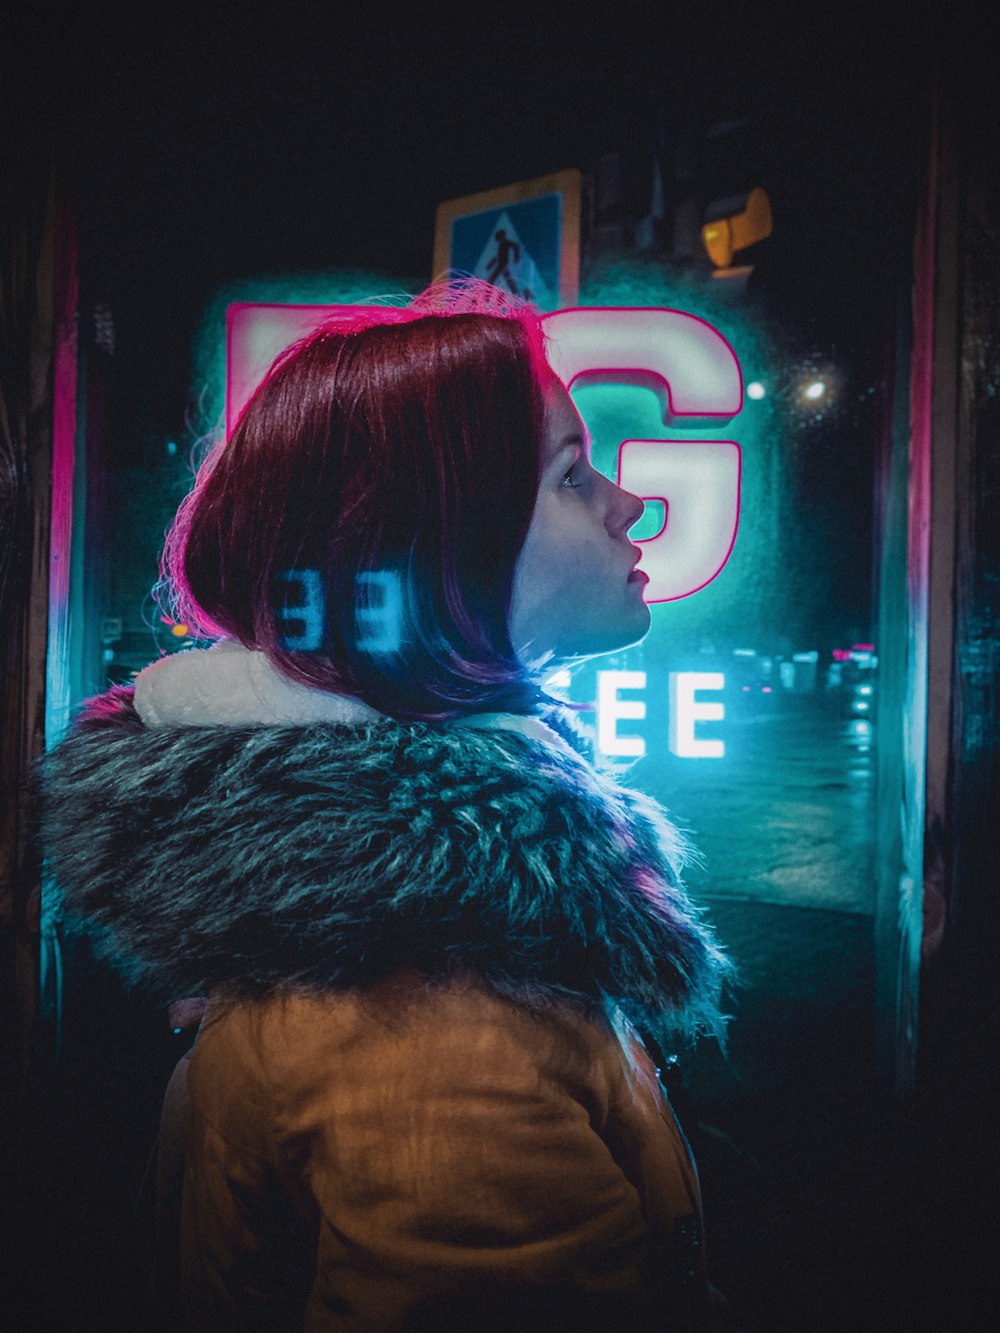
point(637, 575)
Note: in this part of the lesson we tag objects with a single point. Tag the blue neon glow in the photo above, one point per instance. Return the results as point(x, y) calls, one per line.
point(380, 612)
point(306, 610)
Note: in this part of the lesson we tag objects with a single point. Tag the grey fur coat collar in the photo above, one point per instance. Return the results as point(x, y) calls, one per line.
point(323, 855)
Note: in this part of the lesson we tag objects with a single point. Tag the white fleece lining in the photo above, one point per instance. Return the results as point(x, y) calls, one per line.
point(228, 685)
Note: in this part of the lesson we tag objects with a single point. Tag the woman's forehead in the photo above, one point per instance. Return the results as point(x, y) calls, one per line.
point(561, 417)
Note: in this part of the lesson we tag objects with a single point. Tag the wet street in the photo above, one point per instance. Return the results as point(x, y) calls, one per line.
point(784, 828)
point(786, 816)
point(783, 1122)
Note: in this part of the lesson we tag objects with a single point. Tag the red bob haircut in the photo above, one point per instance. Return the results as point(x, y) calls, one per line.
point(385, 469)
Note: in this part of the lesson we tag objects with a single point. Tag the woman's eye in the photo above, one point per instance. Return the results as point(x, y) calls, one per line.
point(569, 479)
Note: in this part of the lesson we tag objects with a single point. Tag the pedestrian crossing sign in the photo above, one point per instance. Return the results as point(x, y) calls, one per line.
point(523, 238)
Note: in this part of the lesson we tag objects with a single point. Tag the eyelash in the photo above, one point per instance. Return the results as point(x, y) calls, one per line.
point(568, 479)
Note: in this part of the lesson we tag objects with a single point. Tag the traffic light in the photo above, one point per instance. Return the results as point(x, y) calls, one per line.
point(734, 224)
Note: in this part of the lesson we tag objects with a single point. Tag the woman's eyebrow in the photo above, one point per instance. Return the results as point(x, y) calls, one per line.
point(576, 440)
point(557, 456)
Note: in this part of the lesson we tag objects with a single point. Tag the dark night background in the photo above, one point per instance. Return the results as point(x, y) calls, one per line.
point(206, 146)
point(211, 146)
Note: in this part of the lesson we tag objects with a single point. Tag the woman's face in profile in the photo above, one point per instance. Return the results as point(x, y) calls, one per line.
point(575, 594)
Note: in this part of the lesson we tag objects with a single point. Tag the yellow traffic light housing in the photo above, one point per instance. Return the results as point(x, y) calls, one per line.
point(724, 236)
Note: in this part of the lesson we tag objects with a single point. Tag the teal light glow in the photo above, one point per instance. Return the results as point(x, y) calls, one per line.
point(748, 596)
point(653, 520)
point(748, 600)
point(692, 366)
point(560, 680)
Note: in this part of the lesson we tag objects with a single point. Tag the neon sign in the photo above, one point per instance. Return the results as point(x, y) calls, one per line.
point(696, 481)
point(685, 358)
point(686, 712)
point(257, 333)
point(611, 709)
point(691, 366)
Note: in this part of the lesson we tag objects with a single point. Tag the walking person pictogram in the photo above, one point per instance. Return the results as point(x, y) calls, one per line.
point(499, 266)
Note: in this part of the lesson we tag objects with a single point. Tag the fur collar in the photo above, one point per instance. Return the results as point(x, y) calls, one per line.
point(324, 854)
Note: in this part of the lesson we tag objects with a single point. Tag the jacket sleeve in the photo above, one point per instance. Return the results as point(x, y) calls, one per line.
point(470, 1166)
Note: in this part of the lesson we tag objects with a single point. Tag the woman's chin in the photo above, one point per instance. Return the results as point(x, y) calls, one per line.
point(625, 634)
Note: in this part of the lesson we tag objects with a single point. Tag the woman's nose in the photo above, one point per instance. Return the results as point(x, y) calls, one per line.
point(625, 513)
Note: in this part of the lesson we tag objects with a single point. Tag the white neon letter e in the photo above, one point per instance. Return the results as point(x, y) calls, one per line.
point(610, 709)
point(685, 711)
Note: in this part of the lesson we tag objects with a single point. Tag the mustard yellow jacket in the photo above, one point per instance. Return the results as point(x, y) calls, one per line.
point(420, 1156)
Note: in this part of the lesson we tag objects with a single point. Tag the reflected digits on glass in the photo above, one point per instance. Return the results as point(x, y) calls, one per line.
point(379, 609)
point(301, 611)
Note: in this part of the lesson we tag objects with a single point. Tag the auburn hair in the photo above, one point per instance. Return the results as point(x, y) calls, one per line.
point(384, 473)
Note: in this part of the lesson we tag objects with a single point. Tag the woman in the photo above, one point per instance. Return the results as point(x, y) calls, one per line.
point(430, 931)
